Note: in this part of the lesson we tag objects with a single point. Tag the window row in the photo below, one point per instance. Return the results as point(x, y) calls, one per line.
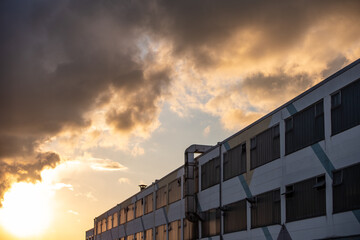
point(264, 210)
point(302, 129)
point(148, 235)
point(305, 199)
point(165, 195)
point(173, 230)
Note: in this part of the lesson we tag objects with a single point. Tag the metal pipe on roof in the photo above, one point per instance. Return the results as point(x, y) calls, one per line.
point(189, 177)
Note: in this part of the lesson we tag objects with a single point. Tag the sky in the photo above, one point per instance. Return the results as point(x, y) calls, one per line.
point(97, 97)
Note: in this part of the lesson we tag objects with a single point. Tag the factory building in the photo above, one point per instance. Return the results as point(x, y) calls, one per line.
point(293, 174)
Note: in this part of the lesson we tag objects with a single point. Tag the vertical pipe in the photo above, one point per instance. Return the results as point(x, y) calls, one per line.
point(190, 203)
point(220, 191)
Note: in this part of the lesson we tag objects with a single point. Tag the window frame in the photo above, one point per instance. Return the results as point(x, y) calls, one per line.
point(313, 135)
point(333, 103)
point(216, 161)
point(291, 193)
point(347, 185)
point(259, 202)
point(241, 162)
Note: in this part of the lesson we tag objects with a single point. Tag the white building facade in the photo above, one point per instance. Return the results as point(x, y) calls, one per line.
point(293, 174)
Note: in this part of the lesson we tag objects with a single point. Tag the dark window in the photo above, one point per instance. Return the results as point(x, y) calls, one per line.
point(304, 128)
point(235, 217)
point(235, 161)
point(210, 226)
point(174, 230)
point(345, 108)
point(265, 209)
point(267, 147)
point(161, 197)
point(174, 191)
point(210, 173)
point(305, 199)
point(190, 230)
point(346, 189)
point(160, 232)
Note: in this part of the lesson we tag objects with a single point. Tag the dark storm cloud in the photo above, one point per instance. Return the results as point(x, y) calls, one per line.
point(141, 106)
point(334, 66)
point(59, 60)
point(200, 28)
point(270, 88)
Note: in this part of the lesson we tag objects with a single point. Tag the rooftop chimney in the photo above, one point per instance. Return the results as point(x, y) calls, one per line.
point(142, 187)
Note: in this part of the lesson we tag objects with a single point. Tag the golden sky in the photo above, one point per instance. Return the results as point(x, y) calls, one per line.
point(96, 95)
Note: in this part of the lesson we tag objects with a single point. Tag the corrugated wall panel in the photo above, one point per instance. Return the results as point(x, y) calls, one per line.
point(235, 161)
point(267, 147)
point(211, 224)
point(306, 201)
point(149, 203)
point(307, 128)
point(347, 114)
point(235, 217)
point(174, 191)
point(266, 210)
point(149, 234)
point(175, 230)
point(190, 230)
point(160, 232)
point(346, 189)
point(210, 173)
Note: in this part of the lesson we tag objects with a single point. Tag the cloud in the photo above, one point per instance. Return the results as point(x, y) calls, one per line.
point(206, 131)
point(58, 186)
point(124, 180)
point(71, 76)
point(30, 172)
point(60, 62)
point(236, 118)
point(265, 91)
point(257, 30)
point(106, 165)
point(73, 212)
point(237, 60)
point(88, 195)
point(137, 151)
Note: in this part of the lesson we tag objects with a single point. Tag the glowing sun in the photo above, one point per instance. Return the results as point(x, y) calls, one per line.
point(26, 209)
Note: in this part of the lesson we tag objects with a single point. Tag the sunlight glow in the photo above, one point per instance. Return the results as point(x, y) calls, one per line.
point(26, 209)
